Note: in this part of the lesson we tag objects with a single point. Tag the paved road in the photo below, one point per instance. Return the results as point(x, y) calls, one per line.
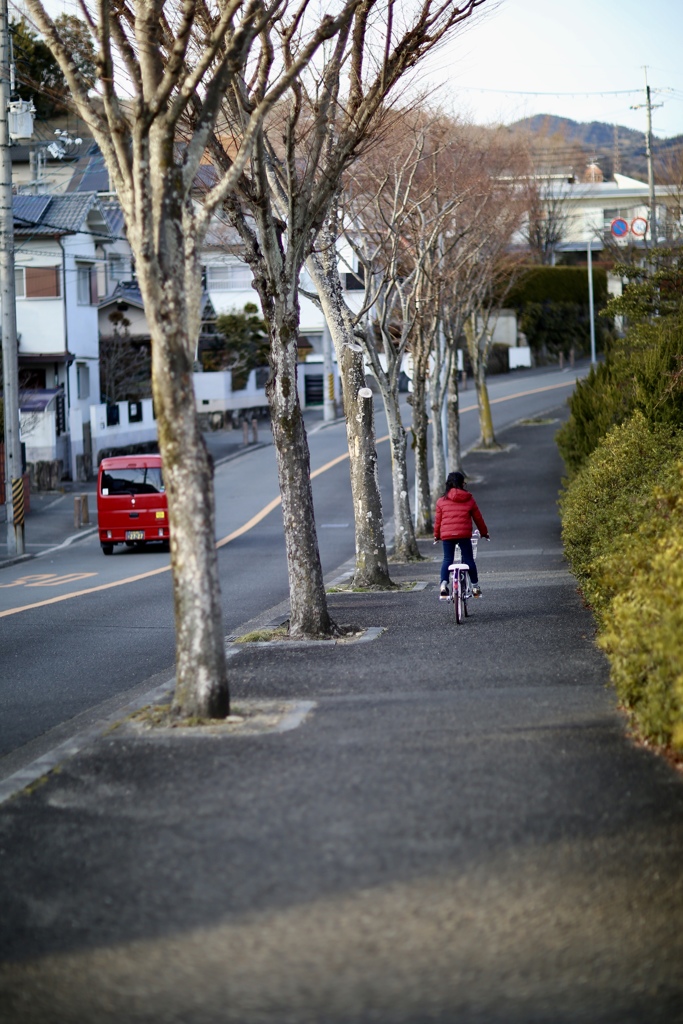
point(459, 832)
point(62, 658)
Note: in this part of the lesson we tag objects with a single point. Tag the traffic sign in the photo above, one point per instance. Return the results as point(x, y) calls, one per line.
point(619, 227)
point(639, 227)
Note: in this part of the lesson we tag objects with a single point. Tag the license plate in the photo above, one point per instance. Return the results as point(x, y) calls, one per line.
point(135, 534)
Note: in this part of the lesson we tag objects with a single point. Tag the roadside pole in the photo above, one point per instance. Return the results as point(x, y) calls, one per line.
point(591, 304)
point(13, 467)
point(329, 404)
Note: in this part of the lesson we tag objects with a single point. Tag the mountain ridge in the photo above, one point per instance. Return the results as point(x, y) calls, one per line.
point(564, 142)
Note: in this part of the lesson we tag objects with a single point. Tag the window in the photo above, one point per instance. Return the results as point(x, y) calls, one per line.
point(86, 283)
point(37, 282)
point(133, 480)
point(135, 412)
point(119, 269)
point(83, 380)
point(228, 277)
point(356, 282)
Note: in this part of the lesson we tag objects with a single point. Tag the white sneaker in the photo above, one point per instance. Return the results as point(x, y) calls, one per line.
point(443, 590)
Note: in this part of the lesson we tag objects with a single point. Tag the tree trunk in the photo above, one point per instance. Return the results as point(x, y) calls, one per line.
point(488, 438)
point(478, 359)
point(372, 568)
point(201, 675)
point(439, 472)
point(453, 421)
point(405, 544)
point(423, 511)
point(309, 616)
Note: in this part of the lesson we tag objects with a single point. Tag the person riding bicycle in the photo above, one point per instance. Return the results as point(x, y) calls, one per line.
point(455, 510)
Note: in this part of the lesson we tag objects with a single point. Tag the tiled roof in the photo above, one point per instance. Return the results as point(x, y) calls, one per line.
point(52, 215)
point(125, 291)
point(29, 208)
point(91, 174)
point(113, 214)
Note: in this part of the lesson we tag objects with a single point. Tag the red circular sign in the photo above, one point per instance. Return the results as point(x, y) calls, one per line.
point(639, 227)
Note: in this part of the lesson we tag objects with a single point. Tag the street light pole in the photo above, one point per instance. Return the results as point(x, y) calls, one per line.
point(10, 374)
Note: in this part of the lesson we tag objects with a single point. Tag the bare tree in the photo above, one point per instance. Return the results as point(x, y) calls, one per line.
point(484, 267)
point(371, 569)
point(170, 60)
point(547, 215)
point(125, 363)
point(281, 203)
point(382, 196)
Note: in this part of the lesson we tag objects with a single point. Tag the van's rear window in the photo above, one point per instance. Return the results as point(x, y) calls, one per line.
point(133, 480)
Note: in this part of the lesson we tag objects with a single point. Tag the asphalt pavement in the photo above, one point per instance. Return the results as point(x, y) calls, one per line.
point(427, 823)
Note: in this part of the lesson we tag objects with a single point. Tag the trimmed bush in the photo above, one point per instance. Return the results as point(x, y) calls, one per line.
point(615, 503)
point(643, 373)
point(558, 284)
point(643, 638)
point(622, 525)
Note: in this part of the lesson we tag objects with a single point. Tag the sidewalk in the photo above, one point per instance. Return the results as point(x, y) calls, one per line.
point(439, 823)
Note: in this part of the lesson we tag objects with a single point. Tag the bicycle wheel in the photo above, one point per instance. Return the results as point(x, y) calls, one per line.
point(458, 601)
point(467, 591)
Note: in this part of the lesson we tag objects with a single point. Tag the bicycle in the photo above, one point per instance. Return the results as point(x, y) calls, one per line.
point(459, 587)
point(459, 582)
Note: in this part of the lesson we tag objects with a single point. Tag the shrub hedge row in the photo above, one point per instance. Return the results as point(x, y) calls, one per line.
point(622, 520)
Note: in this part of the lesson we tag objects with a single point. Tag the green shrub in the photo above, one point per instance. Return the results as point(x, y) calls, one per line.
point(616, 496)
point(554, 328)
point(558, 284)
point(643, 638)
point(622, 524)
point(641, 373)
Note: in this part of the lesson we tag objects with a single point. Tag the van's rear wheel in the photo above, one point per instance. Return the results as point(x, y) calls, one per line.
point(107, 549)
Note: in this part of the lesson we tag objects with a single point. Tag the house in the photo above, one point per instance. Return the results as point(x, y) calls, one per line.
point(60, 259)
point(587, 211)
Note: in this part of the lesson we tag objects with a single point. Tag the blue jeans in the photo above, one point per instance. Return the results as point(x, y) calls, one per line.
point(467, 556)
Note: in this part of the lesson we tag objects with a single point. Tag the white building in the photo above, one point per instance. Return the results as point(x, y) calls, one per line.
point(60, 252)
point(588, 210)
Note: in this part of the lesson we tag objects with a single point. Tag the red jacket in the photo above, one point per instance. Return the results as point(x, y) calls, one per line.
point(454, 515)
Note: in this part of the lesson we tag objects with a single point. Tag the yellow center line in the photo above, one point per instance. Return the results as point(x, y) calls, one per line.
point(249, 525)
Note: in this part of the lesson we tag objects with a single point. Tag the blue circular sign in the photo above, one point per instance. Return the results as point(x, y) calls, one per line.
point(619, 227)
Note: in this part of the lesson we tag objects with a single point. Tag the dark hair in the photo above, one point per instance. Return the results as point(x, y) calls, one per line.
point(455, 480)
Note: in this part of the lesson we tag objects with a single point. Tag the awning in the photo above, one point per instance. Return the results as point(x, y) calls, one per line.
point(46, 357)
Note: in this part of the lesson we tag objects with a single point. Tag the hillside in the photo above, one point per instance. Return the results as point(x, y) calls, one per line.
point(563, 143)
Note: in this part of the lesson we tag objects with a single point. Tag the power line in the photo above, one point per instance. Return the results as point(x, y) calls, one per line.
point(576, 92)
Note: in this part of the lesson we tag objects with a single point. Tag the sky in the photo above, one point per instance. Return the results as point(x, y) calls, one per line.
point(518, 56)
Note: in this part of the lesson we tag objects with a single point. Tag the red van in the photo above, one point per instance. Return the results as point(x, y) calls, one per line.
point(132, 507)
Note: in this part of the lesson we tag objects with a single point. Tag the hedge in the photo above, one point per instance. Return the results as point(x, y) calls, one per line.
point(643, 638)
point(615, 507)
point(558, 284)
point(622, 526)
point(642, 373)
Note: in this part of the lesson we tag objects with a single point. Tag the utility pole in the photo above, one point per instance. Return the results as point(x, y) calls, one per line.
point(14, 495)
point(650, 164)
